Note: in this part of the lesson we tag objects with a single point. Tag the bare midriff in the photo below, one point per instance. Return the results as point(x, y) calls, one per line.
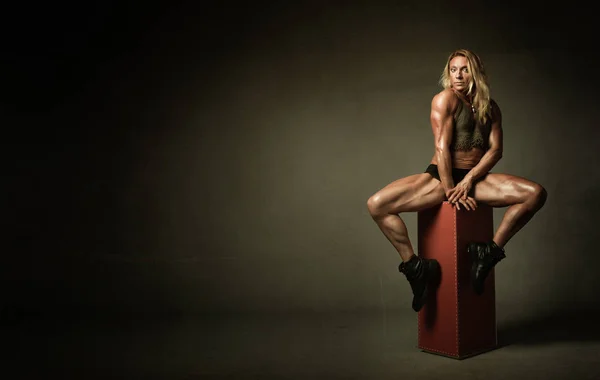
point(464, 160)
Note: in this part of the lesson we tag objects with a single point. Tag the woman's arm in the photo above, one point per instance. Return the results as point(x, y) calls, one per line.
point(442, 121)
point(487, 162)
point(495, 146)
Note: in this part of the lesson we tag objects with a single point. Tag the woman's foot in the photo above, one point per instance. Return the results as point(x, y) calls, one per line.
point(485, 256)
point(422, 274)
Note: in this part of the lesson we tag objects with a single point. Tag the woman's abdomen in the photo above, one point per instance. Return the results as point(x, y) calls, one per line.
point(467, 160)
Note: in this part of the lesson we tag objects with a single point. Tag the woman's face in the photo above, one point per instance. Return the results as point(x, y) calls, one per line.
point(460, 76)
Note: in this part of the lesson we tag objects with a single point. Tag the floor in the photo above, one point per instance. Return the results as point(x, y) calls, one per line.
point(312, 346)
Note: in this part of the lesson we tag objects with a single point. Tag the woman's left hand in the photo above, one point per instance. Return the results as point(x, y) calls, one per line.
point(461, 190)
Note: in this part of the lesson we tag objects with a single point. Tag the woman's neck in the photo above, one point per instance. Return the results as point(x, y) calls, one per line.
point(466, 98)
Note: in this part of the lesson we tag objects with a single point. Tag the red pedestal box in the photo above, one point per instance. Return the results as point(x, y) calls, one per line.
point(455, 321)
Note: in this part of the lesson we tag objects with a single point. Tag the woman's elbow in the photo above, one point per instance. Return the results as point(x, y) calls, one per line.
point(441, 149)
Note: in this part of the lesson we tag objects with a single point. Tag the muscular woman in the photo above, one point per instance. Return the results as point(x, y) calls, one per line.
point(467, 132)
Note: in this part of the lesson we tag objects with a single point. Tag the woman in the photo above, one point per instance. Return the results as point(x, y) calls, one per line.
point(467, 131)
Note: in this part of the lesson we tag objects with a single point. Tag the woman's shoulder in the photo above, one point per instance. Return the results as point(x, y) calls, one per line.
point(494, 108)
point(446, 98)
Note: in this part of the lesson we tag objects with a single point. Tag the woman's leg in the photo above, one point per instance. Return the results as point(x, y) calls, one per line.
point(413, 193)
point(524, 198)
point(410, 194)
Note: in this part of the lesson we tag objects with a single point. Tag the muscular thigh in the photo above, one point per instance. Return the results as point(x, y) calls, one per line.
point(412, 193)
point(500, 190)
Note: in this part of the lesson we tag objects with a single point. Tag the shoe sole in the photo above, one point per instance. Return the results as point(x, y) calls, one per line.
point(478, 290)
point(433, 277)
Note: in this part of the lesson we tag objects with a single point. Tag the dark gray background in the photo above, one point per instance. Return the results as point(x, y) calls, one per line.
point(188, 159)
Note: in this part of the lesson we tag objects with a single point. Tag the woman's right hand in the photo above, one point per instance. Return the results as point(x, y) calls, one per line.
point(468, 203)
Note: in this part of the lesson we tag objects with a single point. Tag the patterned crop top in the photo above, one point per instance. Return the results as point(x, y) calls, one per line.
point(468, 133)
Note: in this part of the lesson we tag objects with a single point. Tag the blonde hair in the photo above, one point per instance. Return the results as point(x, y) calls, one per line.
point(479, 88)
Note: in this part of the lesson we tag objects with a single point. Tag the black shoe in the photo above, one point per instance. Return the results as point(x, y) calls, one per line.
point(422, 274)
point(485, 256)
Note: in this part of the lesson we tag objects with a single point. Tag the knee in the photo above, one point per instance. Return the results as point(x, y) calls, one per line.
point(539, 196)
point(375, 205)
